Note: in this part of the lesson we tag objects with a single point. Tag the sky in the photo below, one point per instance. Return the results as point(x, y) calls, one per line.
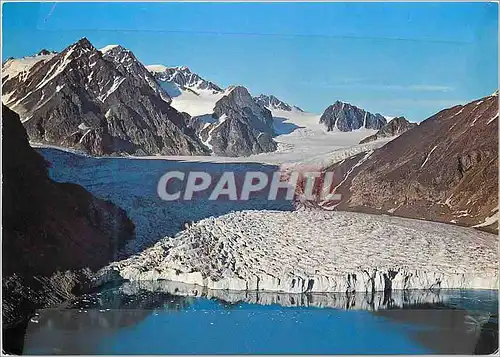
point(410, 59)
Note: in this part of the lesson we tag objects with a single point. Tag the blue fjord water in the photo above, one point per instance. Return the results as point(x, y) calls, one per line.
point(125, 321)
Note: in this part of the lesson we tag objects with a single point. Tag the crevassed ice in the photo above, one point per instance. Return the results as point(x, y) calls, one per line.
point(317, 251)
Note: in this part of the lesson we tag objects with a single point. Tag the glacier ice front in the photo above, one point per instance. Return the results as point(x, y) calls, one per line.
point(317, 251)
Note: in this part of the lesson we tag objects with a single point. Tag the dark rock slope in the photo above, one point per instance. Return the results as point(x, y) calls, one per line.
point(54, 235)
point(242, 126)
point(394, 127)
point(445, 169)
point(347, 117)
point(101, 102)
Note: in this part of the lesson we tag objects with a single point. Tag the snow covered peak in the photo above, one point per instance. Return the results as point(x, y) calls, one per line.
point(273, 103)
point(243, 127)
point(156, 68)
point(74, 55)
point(80, 91)
point(182, 77)
point(119, 52)
point(107, 48)
point(15, 66)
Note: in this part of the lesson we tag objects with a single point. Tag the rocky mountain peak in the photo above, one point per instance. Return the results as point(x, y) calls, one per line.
point(347, 117)
point(116, 49)
point(126, 62)
point(271, 102)
point(242, 127)
point(83, 44)
point(182, 77)
point(45, 52)
point(240, 96)
point(238, 102)
point(394, 127)
point(399, 121)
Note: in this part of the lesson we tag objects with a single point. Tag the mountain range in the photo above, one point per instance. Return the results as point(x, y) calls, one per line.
point(102, 102)
point(236, 125)
point(106, 102)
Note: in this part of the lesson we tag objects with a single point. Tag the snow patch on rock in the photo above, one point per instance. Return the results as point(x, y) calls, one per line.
point(107, 48)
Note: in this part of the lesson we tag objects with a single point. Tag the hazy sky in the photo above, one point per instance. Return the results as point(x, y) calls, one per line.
point(410, 59)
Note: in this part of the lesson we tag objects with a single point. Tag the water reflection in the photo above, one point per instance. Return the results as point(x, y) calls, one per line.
point(346, 301)
point(138, 317)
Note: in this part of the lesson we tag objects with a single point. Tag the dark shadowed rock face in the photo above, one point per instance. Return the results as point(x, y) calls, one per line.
point(396, 126)
point(243, 127)
point(54, 235)
point(102, 103)
point(445, 169)
point(347, 117)
point(183, 77)
point(126, 62)
point(45, 52)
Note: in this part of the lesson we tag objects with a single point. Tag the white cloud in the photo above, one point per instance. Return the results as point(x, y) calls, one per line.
point(429, 88)
point(351, 83)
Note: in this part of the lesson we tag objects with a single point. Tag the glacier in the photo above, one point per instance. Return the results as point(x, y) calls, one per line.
point(349, 301)
point(312, 250)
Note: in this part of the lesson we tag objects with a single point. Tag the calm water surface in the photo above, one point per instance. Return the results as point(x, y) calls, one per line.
point(168, 318)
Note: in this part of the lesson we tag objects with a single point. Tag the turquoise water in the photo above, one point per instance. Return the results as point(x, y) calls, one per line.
point(132, 320)
point(208, 327)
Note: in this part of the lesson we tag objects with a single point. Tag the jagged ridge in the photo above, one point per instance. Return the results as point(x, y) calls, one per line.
point(394, 127)
point(183, 77)
point(347, 117)
point(101, 103)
